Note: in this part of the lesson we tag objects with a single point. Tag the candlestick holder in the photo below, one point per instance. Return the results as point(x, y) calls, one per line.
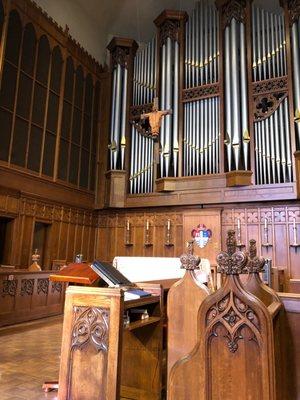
point(295, 244)
point(148, 242)
point(128, 241)
point(266, 236)
point(168, 236)
point(239, 243)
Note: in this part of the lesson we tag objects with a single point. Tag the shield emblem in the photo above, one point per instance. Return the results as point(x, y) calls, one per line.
point(201, 235)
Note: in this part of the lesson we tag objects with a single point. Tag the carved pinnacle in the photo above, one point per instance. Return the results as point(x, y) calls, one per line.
point(231, 262)
point(188, 260)
point(255, 264)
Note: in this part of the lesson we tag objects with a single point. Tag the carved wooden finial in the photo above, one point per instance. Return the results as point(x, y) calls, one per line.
point(233, 262)
point(255, 264)
point(188, 260)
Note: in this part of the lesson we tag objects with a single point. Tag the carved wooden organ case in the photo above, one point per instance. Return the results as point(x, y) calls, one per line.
point(230, 73)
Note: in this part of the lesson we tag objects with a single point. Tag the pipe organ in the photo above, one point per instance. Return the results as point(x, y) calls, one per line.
point(230, 73)
point(201, 115)
point(144, 91)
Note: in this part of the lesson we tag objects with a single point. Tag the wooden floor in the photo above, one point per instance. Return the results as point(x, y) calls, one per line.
point(29, 355)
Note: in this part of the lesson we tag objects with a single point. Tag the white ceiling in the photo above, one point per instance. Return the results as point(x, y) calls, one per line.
point(94, 22)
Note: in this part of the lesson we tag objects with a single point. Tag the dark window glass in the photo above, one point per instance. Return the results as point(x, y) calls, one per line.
point(86, 136)
point(52, 112)
point(19, 142)
point(35, 148)
point(69, 80)
point(88, 98)
point(28, 49)
point(92, 172)
point(66, 120)
point(43, 61)
point(74, 161)
point(5, 133)
point(79, 87)
point(39, 103)
point(56, 68)
point(49, 154)
point(84, 169)
point(8, 89)
point(24, 96)
point(14, 35)
point(63, 160)
point(76, 129)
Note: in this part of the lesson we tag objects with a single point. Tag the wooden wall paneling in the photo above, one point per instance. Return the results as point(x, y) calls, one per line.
point(54, 241)
point(138, 235)
point(70, 250)
point(78, 248)
point(62, 253)
point(27, 235)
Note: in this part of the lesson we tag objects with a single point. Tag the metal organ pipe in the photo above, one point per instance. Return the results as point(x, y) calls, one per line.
point(296, 74)
point(228, 97)
point(112, 123)
point(272, 134)
point(244, 95)
point(175, 107)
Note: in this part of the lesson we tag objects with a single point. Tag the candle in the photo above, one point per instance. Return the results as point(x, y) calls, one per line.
point(239, 224)
point(169, 225)
point(266, 223)
point(128, 225)
point(147, 225)
point(294, 223)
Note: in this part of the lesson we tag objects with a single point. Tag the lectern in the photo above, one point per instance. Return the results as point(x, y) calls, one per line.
point(102, 357)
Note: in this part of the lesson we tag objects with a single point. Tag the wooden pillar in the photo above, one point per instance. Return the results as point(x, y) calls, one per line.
point(6, 7)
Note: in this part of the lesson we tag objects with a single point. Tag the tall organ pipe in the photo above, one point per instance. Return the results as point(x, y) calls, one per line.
point(124, 119)
point(296, 72)
point(228, 97)
point(168, 105)
point(175, 107)
point(235, 90)
point(244, 95)
point(112, 132)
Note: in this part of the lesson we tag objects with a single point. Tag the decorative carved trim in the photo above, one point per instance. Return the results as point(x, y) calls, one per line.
point(233, 262)
point(294, 10)
point(56, 287)
point(120, 56)
point(266, 104)
point(200, 92)
point(233, 315)
point(270, 86)
point(255, 264)
point(169, 29)
point(43, 285)
point(188, 260)
point(233, 9)
point(136, 111)
point(91, 326)
point(9, 288)
point(27, 286)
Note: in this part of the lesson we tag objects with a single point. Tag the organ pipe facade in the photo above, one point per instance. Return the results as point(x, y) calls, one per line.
point(233, 86)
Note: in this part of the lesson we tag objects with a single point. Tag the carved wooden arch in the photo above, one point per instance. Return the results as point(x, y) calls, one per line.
point(245, 326)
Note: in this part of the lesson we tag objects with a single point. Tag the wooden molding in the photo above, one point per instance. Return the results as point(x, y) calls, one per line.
point(238, 178)
point(115, 188)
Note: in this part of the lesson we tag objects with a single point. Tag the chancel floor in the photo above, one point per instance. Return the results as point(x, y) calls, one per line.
point(29, 355)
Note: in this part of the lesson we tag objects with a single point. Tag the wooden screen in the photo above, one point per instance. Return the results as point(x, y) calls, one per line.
point(48, 110)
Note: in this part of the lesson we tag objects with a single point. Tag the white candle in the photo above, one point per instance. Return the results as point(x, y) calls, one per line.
point(147, 225)
point(239, 224)
point(127, 225)
point(169, 225)
point(294, 223)
point(266, 223)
